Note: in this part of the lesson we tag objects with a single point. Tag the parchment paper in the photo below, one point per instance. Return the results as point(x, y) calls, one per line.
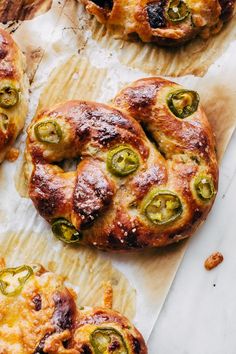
point(84, 68)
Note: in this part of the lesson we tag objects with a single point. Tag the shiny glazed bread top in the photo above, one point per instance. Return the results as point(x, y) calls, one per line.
point(146, 173)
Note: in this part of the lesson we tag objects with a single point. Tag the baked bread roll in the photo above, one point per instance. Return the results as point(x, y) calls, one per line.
point(105, 331)
point(166, 22)
point(13, 92)
point(39, 315)
point(146, 173)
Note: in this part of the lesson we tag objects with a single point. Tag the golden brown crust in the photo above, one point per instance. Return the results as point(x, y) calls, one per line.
point(44, 318)
point(148, 18)
point(12, 72)
point(12, 154)
point(90, 320)
point(173, 152)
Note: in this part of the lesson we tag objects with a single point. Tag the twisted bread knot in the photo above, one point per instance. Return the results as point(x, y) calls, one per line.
point(166, 22)
point(147, 173)
point(13, 92)
point(102, 330)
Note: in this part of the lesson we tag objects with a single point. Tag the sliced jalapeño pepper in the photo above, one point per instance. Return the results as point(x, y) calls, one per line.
point(108, 340)
point(162, 206)
point(65, 231)
point(9, 96)
point(48, 132)
point(12, 280)
point(4, 122)
point(204, 187)
point(122, 160)
point(177, 11)
point(183, 103)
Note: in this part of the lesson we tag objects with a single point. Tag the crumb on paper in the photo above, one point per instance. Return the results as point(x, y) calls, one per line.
point(73, 293)
point(2, 263)
point(33, 57)
point(12, 155)
point(52, 266)
point(213, 260)
point(108, 295)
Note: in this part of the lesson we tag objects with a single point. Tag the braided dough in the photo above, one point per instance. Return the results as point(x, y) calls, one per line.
point(166, 22)
point(13, 92)
point(146, 178)
point(42, 317)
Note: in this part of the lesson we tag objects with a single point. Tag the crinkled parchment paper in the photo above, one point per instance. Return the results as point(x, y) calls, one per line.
point(65, 62)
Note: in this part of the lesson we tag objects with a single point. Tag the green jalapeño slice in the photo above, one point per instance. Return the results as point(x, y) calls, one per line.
point(4, 122)
point(122, 160)
point(108, 340)
point(183, 103)
point(177, 11)
point(204, 187)
point(48, 132)
point(162, 207)
point(12, 280)
point(9, 96)
point(65, 231)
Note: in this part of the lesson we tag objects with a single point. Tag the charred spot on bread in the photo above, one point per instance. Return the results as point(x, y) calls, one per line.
point(37, 301)
point(227, 9)
point(156, 14)
point(40, 347)
point(105, 4)
point(85, 349)
point(63, 317)
point(136, 345)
